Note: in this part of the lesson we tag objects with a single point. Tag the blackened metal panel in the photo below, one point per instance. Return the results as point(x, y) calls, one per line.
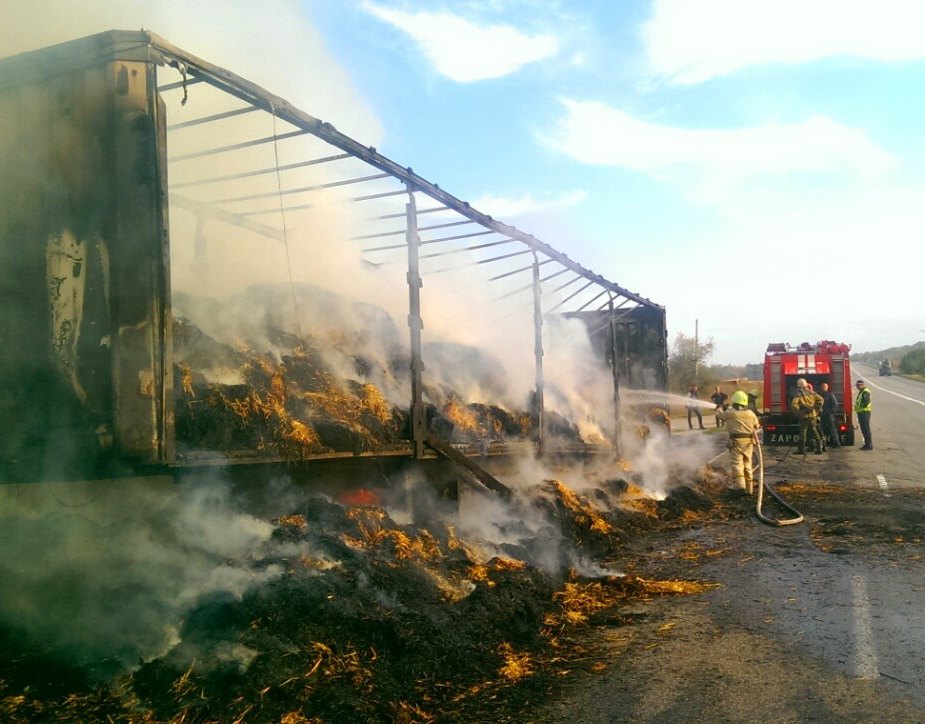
point(637, 338)
point(83, 290)
point(56, 385)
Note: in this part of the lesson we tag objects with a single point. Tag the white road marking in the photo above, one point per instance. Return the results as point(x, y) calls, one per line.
point(881, 481)
point(863, 663)
point(895, 394)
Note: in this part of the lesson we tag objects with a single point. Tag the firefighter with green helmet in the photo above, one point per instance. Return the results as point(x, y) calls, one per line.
point(807, 406)
point(742, 425)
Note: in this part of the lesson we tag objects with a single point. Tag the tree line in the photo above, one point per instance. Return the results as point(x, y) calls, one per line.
point(909, 360)
point(687, 366)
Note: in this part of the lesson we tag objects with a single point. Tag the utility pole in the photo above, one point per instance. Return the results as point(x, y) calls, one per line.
point(696, 351)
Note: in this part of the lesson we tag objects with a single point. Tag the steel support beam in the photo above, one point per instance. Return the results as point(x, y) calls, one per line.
point(415, 325)
point(615, 371)
point(539, 402)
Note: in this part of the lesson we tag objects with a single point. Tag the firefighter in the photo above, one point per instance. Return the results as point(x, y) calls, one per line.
point(862, 406)
point(742, 425)
point(807, 406)
point(816, 422)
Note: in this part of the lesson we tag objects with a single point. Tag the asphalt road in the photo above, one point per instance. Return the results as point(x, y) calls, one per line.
point(897, 425)
point(819, 621)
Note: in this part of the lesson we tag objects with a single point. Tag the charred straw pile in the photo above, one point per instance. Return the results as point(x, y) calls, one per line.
point(368, 620)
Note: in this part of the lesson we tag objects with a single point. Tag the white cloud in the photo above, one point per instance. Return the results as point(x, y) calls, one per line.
point(858, 291)
point(464, 52)
point(691, 42)
point(595, 133)
point(509, 207)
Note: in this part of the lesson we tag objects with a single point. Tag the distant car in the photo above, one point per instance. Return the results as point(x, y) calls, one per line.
point(886, 368)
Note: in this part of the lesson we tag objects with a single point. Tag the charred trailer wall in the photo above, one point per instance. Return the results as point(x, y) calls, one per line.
point(639, 338)
point(83, 263)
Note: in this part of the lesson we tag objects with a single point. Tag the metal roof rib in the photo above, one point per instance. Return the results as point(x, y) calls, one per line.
point(201, 70)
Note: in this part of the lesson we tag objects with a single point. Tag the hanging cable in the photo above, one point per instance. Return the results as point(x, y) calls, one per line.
point(282, 213)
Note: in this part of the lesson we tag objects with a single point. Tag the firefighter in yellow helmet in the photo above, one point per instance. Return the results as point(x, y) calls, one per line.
point(807, 406)
point(742, 425)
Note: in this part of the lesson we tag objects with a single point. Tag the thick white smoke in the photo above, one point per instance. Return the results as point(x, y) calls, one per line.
point(97, 573)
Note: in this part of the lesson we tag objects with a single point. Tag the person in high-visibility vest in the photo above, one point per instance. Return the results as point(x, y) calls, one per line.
point(863, 406)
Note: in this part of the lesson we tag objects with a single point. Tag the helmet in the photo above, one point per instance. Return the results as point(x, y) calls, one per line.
point(740, 398)
point(801, 383)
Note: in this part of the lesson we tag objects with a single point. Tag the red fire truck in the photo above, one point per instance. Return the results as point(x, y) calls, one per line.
point(824, 361)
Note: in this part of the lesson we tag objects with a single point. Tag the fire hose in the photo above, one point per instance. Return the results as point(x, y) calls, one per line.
point(773, 493)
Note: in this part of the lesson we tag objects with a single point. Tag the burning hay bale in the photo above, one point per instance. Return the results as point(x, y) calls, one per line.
point(240, 401)
point(268, 392)
point(248, 379)
point(293, 409)
point(476, 423)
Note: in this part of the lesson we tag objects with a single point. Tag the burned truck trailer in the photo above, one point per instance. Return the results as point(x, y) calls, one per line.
point(140, 186)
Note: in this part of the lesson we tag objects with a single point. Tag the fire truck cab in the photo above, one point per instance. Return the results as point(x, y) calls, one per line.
point(825, 361)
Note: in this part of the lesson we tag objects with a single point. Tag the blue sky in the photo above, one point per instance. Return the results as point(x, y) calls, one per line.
point(754, 167)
